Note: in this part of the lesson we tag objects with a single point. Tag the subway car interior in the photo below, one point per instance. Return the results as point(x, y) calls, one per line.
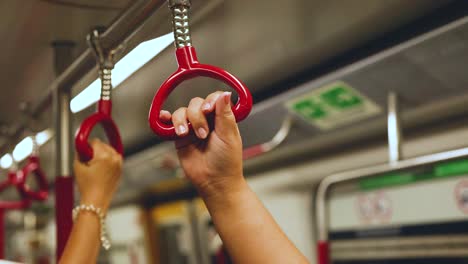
point(353, 116)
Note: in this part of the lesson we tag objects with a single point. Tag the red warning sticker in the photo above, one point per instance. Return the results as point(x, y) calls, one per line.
point(365, 208)
point(375, 208)
point(383, 207)
point(461, 196)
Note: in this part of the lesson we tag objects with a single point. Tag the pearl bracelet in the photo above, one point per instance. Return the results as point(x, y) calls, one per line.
point(105, 242)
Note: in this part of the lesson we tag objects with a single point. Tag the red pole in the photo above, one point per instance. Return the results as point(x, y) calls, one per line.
point(63, 211)
point(2, 234)
point(323, 252)
point(63, 52)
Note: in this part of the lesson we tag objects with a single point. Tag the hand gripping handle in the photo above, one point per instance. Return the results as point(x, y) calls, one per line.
point(33, 167)
point(190, 68)
point(102, 116)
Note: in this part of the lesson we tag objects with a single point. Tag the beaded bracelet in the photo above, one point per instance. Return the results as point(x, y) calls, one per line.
point(105, 242)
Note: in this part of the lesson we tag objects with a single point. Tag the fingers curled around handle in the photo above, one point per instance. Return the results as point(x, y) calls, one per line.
point(210, 102)
point(197, 118)
point(83, 148)
point(179, 119)
point(225, 120)
point(192, 69)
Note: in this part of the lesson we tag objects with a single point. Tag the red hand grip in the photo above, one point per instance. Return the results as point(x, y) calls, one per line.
point(15, 205)
point(15, 180)
point(253, 151)
point(102, 116)
point(4, 185)
point(33, 167)
point(190, 68)
point(323, 253)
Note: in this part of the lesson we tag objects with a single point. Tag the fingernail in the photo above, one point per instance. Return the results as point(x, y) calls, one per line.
point(202, 132)
point(227, 97)
point(182, 130)
point(163, 112)
point(207, 106)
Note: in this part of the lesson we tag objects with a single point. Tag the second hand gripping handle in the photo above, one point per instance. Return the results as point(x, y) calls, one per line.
point(83, 148)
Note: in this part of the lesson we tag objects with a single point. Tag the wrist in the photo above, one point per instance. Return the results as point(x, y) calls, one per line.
point(96, 201)
point(223, 191)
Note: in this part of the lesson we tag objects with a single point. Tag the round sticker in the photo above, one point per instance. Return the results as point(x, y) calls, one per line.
point(461, 196)
point(365, 208)
point(383, 207)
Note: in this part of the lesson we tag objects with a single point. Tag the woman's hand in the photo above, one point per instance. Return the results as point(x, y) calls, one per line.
point(212, 160)
point(98, 179)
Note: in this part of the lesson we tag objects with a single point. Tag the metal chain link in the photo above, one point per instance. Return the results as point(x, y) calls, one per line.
point(105, 60)
point(35, 148)
point(180, 23)
point(105, 74)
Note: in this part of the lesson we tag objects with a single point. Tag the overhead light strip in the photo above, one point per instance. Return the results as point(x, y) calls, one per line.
point(23, 149)
point(6, 161)
point(123, 69)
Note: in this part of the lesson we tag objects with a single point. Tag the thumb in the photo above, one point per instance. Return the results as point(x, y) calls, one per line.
point(225, 121)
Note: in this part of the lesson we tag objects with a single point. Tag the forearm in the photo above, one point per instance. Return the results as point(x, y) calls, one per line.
point(247, 229)
point(84, 243)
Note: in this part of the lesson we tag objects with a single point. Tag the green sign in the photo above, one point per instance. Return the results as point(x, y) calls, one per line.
point(441, 170)
point(457, 167)
point(333, 105)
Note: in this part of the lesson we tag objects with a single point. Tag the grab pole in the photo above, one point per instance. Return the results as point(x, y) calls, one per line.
point(63, 126)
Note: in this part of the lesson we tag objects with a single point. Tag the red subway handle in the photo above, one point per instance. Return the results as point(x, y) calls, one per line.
point(15, 205)
point(33, 167)
point(190, 68)
point(16, 180)
point(323, 252)
point(3, 185)
point(102, 117)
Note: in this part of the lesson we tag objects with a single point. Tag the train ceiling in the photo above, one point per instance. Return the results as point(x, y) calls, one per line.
point(28, 29)
point(262, 42)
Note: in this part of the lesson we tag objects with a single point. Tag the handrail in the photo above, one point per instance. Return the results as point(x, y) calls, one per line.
point(394, 129)
point(268, 146)
point(394, 154)
point(395, 164)
point(321, 216)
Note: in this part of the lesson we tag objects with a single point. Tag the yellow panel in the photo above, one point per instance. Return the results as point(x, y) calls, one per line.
point(170, 210)
point(169, 186)
point(200, 207)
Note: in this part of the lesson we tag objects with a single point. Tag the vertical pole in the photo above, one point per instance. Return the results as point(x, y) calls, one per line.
point(394, 129)
point(63, 126)
point(2, 234)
